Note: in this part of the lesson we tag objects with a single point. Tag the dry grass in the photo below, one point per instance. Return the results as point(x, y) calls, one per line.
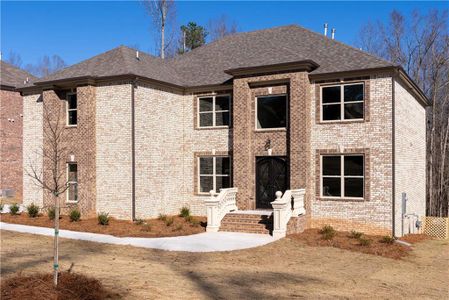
point(369, 244)
point(40, 286)
point(120, 228)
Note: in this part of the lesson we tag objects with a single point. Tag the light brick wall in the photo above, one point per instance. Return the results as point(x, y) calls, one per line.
point(374, 214)
point(166, 141)
point(32, 146)
point(113, 151)
point(410, 156)
point(11, 126)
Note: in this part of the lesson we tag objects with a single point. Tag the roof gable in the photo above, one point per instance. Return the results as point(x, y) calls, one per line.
point(13, 77)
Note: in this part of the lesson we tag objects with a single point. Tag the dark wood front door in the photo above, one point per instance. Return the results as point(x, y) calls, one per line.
point(271, 176)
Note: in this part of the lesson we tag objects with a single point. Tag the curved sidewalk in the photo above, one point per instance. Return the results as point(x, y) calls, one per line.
point(202, 242)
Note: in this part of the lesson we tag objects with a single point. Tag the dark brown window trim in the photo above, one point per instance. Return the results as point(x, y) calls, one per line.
point(366, 102)
point(196, 155)
point(367, 173)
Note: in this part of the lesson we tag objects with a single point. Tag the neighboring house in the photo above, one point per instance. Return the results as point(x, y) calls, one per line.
point(263, 111)
point(11, 126)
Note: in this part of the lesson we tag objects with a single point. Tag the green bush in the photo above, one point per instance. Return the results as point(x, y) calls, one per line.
point(139, 221)
point(51, 212)
point(185, 212)
point(355, 234)
point(103, 218)
point(14, 209)
point(328, 232)
point(169, 221)
point(364, 241)
point(387, 239)
point(33, 210)
point(162, 217)
point(75, 215)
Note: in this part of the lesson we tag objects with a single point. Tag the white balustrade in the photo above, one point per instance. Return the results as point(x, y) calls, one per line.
point(291, 204)
point(218, 205)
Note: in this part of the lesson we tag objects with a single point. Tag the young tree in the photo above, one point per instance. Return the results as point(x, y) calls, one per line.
point(221, 27)
point(162, 13)
point(51, 177)
point(420, 45)
point(46, 66)
point(14, 59)
point(193, 36)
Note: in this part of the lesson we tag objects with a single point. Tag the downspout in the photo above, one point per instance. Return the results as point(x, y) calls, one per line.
point(133, 152)
point(393, 155)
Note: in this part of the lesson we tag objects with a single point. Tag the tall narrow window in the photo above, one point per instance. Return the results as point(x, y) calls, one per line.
point(214, 173)
point(72, 106)
point(213, 111)
point(72, 182)
point(271, 112)
point(342, 102)
point(342, 176)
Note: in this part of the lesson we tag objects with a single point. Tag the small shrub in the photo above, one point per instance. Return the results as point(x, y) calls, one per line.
point(75, 215)
point(146, 227)
point(328, 231)
point(178, 227)
point(185, 212)
point(14, 209)
point(169, 221)
point(51, 212)
point(103, 218)
point(162, 217)
point(355, 234)
point(387, 239)
point(364, 242)
point(33, 210)
point(139, 221)
point(328, 235)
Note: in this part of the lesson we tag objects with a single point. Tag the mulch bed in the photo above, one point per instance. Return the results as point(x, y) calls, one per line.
point(342, 240)
point(415, 238)
point(120, 228)
point(40, 286)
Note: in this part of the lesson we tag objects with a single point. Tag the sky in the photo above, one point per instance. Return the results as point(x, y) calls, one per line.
point(79, 30)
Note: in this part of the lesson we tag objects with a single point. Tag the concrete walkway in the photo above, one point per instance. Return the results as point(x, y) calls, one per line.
point(202, 242)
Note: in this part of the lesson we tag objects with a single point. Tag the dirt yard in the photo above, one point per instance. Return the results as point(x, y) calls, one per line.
point(285, 269)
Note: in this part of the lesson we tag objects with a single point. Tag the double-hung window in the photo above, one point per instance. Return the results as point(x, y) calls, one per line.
point(214, 111)
point(342, 102)
point(72, 107)
point(342, 176)
point(271, 112)
point(72, 182)
point(214, 173)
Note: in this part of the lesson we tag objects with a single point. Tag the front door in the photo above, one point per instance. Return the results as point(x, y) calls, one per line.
point(271, 176)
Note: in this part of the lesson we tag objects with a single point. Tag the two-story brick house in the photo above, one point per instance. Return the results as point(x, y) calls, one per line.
point(263, 111)
point(11, 126)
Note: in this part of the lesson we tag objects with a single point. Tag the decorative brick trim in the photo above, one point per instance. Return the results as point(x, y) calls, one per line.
point(366, 102)
point(367, 172)
point(195, 110)
point(196, 155)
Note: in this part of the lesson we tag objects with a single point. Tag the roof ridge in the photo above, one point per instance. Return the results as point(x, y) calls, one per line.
point(343, 44)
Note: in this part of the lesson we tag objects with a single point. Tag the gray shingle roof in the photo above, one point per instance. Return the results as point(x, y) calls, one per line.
point(12, 76)
point(206, 65)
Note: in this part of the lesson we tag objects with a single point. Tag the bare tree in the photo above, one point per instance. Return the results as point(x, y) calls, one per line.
point(51, 177)
point(162, 13)
point(420, 45)
point(221, 27)
point(14, 59)
point(46, 66)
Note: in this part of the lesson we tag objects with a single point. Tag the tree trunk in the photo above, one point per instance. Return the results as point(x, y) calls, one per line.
point(56, 246)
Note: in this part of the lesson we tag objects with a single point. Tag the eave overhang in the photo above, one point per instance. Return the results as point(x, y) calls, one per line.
point(303, 65)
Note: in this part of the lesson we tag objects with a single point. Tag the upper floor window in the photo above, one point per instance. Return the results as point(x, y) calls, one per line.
point(342, 102)
point(72, 106)
point(72, 182)
point(213, 111)
point(271, 112)
point(342, 176)
point(214, 173)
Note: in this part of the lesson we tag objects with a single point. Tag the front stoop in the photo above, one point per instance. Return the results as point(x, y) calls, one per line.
point(248, 221)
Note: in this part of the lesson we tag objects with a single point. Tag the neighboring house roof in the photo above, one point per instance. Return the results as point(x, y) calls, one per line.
point(12, 77)
point(207, 64)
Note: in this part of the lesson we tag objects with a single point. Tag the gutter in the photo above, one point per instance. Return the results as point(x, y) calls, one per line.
point(393, 142)
point(133, 151)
